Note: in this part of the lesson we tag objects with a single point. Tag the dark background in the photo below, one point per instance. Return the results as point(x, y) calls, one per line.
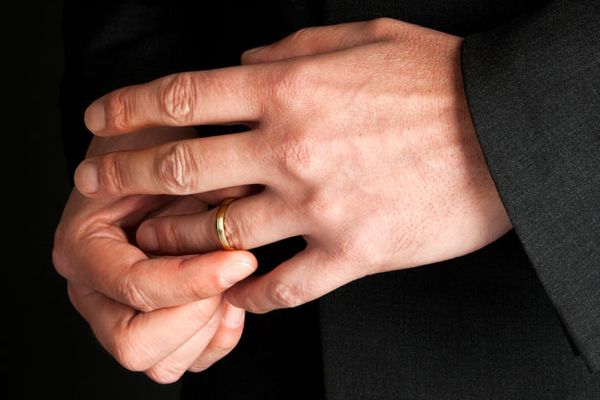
point(60, 356)
point(57, 353)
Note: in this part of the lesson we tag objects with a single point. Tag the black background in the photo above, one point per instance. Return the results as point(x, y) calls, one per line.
point(56, 354)
point(59, 354)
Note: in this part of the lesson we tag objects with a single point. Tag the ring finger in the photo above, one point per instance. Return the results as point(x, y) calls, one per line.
point(250, 222)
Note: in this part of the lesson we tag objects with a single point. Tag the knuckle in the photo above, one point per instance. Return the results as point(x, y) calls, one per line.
point(72, 295)
point(59, 259)
point(380, 28)
point(302, 34)
point(290, 83)
point(358, 249)
point(301, 38)
point(119, 109)
point(178, 97)
point(167, 236)
point(213, 323)
point(134, 296)
point(165, 372)
point(295, 156)
point(201, 287)
point(200, 312)
point(285, 295)
point(237, 230)
point(222, 347)
point(111, 174)
point(129, 352)
point(199, 367)
point(324, 209)
point(197, 290)
point(176, 169)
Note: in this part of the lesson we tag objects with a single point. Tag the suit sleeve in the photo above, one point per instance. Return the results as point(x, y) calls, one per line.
point(533, 88)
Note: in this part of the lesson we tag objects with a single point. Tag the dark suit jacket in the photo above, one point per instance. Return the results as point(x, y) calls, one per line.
point(519, 319)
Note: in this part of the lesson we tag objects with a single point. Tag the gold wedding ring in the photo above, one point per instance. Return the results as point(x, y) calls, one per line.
point(220, 223)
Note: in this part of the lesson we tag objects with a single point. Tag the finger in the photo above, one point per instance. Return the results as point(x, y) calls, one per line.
point(215, 197)
point(124, 273)
point(225, 95)
point(177, 168)
point(140, 340)
point(185, 205)
point(171, 368)
point(225, 339)
point(305, 277)
point(250, 222)
point(319, 40)
point(199, 202)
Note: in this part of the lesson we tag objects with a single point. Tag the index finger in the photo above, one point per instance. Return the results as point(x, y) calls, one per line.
point(218, 96)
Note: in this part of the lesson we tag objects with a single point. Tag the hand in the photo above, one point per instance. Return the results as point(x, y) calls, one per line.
point(184, 323)
point(362, 140)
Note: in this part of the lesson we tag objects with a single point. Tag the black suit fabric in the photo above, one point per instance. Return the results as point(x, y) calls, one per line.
point(534, 93)
point(519, 319)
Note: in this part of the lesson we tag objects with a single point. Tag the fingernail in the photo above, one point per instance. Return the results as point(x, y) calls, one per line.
point(95, 118)
point(233, 316)
point(86, 177)
point(235, 272)
point(147, 238)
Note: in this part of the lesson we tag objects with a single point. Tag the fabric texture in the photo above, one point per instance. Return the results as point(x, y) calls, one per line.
point(483, 326)
point(533, 89)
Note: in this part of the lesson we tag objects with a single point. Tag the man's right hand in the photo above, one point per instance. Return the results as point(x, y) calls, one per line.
point(159, 315)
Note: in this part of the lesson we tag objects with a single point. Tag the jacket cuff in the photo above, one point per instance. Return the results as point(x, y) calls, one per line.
point(533, 88)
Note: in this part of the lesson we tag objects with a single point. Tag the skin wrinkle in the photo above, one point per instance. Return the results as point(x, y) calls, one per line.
point(179, 97)
point(174, 167)
point(119, 106)
point(102, 221)
point(373, 181)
